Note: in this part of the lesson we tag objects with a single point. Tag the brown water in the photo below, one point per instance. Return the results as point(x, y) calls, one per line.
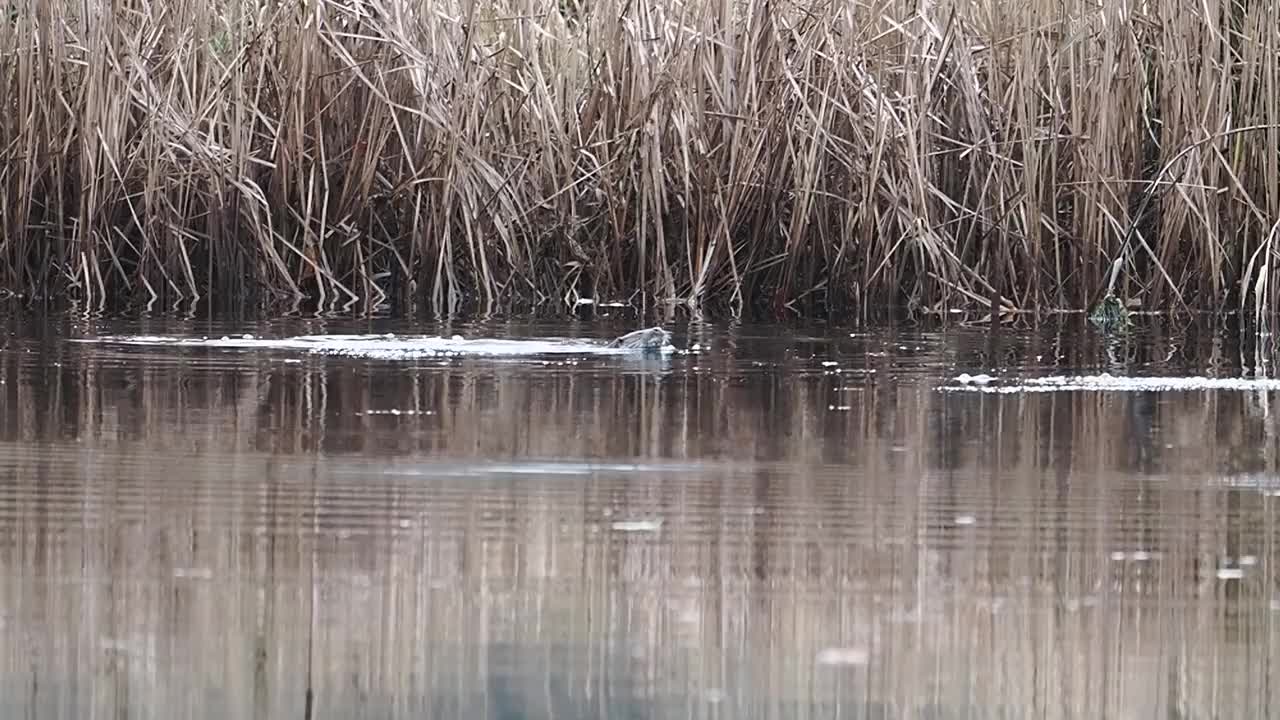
point(793, 522)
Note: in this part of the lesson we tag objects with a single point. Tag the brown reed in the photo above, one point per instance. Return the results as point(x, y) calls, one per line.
point(748, 154)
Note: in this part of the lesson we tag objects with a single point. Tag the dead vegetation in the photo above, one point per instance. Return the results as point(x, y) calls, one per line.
point(744, 153)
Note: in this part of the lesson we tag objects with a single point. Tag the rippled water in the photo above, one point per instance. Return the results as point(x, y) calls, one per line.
point(769, 521)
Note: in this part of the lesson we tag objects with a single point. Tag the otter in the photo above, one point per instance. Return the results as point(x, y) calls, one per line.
point(647, 339)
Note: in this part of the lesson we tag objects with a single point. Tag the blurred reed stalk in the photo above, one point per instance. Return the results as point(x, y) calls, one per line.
point(749, 154)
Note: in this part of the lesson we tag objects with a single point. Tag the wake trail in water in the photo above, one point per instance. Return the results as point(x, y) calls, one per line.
point(1107, 383)
point(386, 346)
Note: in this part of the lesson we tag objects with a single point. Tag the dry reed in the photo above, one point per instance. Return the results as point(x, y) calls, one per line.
point(747, 154)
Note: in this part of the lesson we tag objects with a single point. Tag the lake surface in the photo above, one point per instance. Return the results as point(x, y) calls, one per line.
point(784, 522)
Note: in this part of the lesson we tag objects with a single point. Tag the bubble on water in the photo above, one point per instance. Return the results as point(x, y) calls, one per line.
point(1135, 555)
point(637, 525)
point(842, 656)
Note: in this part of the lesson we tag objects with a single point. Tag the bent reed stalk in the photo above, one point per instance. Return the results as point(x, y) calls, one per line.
point(754, 153)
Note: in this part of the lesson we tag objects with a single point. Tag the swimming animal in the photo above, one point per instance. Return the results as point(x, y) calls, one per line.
point(647, 339)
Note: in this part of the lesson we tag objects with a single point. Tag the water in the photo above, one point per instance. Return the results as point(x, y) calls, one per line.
point(783, 522)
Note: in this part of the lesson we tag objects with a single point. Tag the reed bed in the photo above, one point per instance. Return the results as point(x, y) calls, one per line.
point(744, 154)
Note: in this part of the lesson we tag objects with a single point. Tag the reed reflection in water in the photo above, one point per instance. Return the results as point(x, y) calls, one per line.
point(749, 533)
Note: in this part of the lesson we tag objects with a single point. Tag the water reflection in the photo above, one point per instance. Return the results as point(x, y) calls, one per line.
point(794, 523)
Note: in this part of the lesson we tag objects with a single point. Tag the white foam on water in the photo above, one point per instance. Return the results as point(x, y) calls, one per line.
point(1112, 383)
point(1134, 555)
point(638, 526)
point(1266, 483)
point(388, 346)
point(842, 656)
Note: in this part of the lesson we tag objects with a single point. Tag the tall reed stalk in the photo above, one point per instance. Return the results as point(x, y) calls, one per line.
point(754, 153)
